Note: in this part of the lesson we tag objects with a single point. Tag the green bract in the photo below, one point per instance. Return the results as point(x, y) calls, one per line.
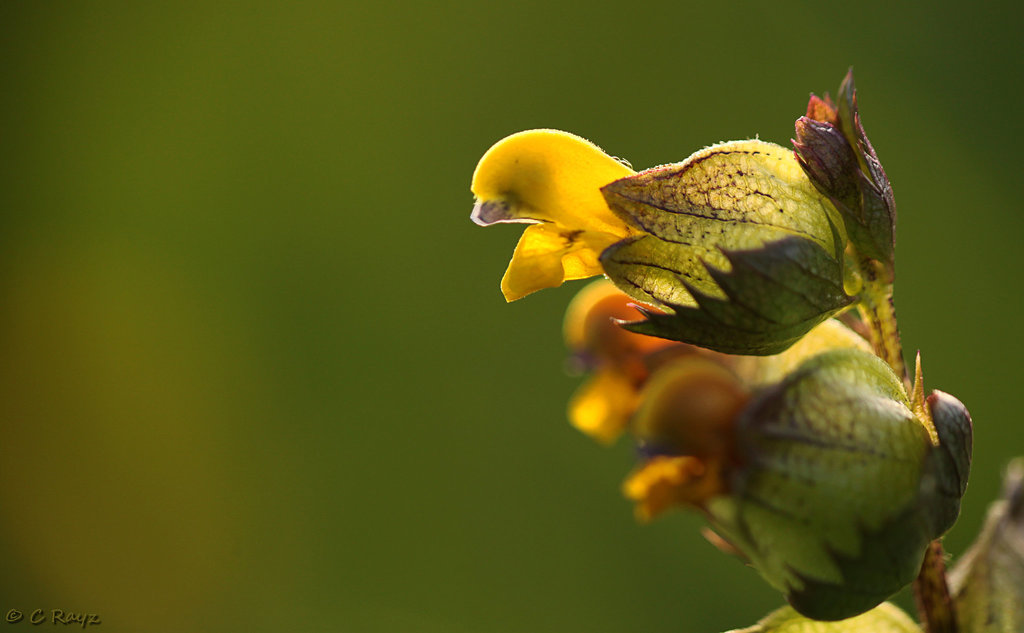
point(839, 488)
point(737, 244)
point(988, 582)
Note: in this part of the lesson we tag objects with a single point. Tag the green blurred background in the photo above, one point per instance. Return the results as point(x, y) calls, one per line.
point(257, 374)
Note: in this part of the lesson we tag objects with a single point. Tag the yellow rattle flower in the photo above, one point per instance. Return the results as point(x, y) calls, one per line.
point(552, 180)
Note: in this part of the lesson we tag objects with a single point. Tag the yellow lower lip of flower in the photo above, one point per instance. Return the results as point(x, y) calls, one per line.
point(666, 481)
point(548, 255)
point(602, 406)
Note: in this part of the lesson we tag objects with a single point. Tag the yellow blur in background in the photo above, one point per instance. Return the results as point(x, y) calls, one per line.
point(257, 373)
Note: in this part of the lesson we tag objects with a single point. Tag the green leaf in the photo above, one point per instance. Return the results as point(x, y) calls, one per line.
point(988, 582)
point(885, 618)
point(739, 246)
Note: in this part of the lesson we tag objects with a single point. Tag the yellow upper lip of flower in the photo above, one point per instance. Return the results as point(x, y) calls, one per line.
point(547, 176)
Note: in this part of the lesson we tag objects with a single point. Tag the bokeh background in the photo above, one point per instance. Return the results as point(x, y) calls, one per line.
point(255, 370)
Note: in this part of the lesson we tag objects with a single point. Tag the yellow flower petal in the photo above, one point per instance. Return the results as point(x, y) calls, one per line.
point(689, 407)
point(548, 254)
point(666, 481)
point(552, 178)
point(602, 406)
point(547, 176)
point(590, 324)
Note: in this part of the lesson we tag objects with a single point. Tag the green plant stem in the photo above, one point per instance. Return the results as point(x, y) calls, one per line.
point(879, 314)
point(931, 591)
